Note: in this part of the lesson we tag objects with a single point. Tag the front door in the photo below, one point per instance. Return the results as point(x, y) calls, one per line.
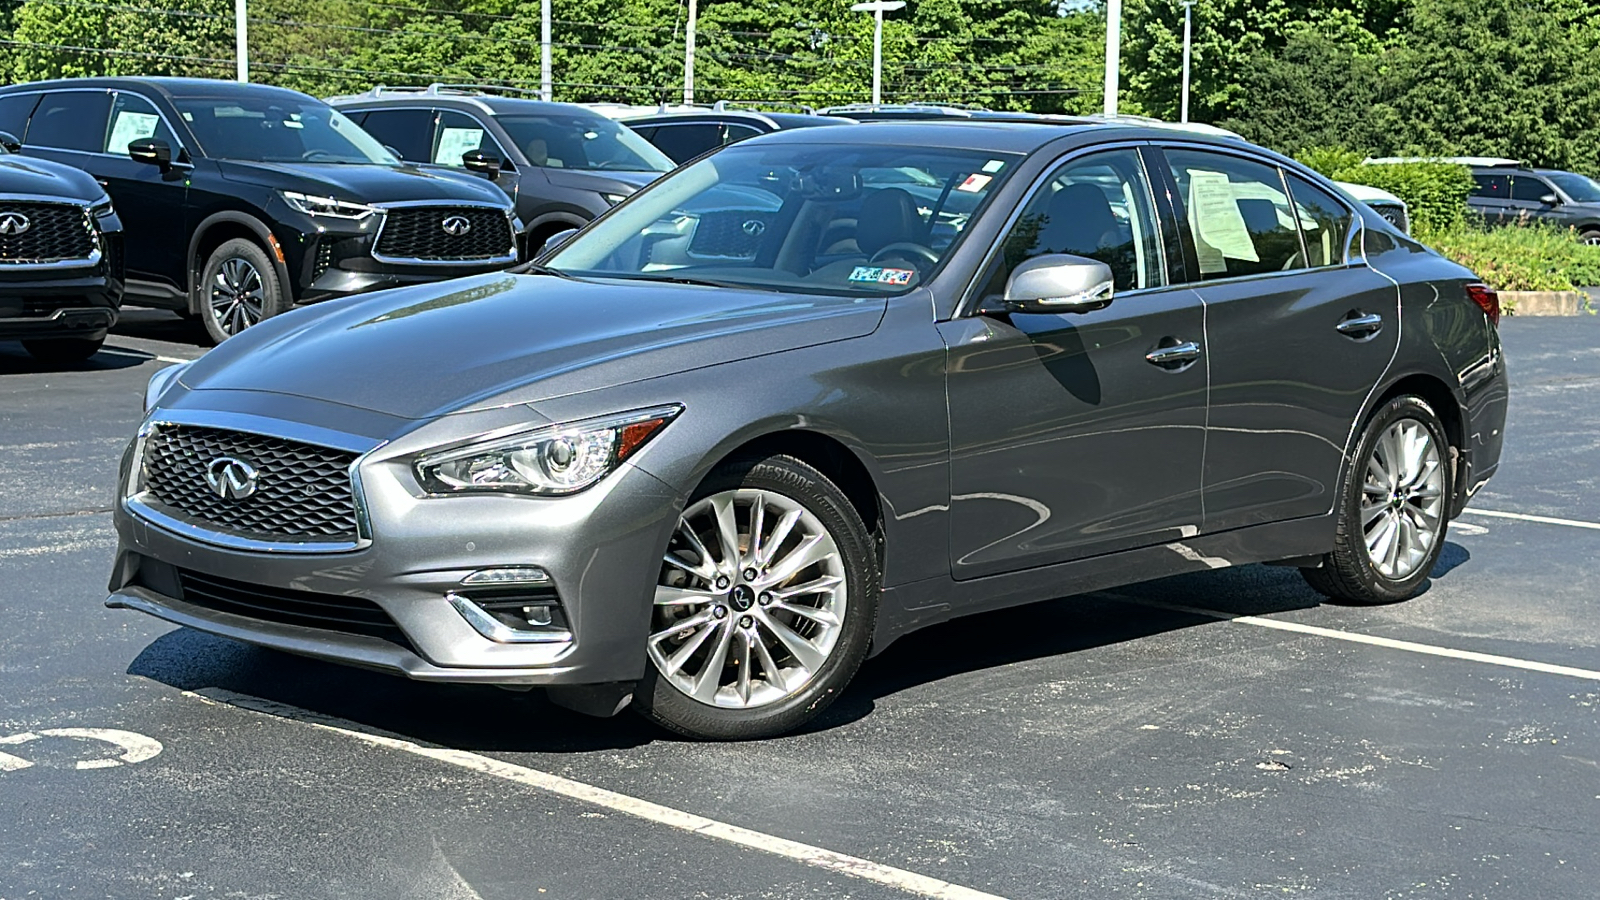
point(1067, 441)
point(1299, 333)
point(150, 202)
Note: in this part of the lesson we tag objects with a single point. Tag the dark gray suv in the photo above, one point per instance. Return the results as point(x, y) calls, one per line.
point(562, 165)
point(814, 391)
point(1511, 194)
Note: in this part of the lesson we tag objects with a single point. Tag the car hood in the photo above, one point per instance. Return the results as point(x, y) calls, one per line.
point(21, 175)
point(498, 339)
point(607, 181)
point(367, 184)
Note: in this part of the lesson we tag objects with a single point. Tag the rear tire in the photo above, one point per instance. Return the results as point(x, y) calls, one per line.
point(1393, 508)
point(733, 657)
point(238, 288)
point(1591, 236)
point(61, 351)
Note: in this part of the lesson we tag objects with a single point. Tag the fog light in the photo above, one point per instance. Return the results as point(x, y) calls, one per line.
point(537, 615)
point(512, 605)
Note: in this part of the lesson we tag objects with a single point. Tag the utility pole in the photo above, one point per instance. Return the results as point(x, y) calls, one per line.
point(241, 42)
point(688, 54)
point(1188, 10)
point(877, 8)
point(545, 92)
point(1113, 52)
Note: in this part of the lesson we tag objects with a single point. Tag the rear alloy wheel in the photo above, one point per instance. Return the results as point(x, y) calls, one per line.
point(239, 287)
point(1590, 237)
point(764, 606)
point(61, 351)
point(1392, 519)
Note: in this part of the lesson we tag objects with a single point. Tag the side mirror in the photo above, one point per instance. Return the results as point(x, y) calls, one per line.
point(1058, 283)
point(1550, 200)
point(554, 241)
point(486, 164)
point(9, 142)
point(154, 151)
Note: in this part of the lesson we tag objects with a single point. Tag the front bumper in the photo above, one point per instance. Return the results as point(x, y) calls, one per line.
point(601, 548)
point(76, 302)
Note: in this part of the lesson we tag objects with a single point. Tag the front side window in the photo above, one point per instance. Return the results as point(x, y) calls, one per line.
point(580, 140)
point(1324, 222)
point(460, 134)
point(70, 120)
point(1097, 207)
point(133, 118)
point(833, 218)
point(1492, 187)
point(278, 128)
point(1528, 188)
point(1238, 213)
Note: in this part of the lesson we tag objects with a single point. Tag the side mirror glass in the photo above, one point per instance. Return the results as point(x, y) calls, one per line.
point(484, 163)
point(9, 142)
point(154, 151)
point(1058, 283)
point(1550, 200)
point(554, 241)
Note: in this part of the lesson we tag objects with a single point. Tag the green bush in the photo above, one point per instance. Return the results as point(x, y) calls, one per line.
point(1326, 161)
point(1527, 258)
point(1435, 193)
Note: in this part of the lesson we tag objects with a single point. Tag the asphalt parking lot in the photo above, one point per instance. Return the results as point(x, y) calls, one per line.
point(1220, 734)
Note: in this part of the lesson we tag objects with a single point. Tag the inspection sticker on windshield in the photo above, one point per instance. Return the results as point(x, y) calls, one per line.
point(876, 275)
point(975, 183)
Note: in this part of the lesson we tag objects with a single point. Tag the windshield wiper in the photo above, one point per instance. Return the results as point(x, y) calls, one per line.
point(685, 279)
point(533, 268)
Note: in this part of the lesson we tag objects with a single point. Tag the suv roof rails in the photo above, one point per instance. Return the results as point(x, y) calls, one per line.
point(1482, 161)
point(949, 109)
point(439, 89)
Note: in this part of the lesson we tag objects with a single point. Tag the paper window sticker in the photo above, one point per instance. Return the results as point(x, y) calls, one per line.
point(456, 142)
point(129, 127)
point(975, 183)
point(1216, 219)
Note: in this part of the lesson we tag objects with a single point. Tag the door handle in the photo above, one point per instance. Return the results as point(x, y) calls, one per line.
point(1174, 355)
point(1360, 325)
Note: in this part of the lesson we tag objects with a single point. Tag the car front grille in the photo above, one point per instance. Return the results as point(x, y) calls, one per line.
point(54, 232)
point(303, 492)
point(730, 235)
point(332, 612)
point(1395, 213)
point(418, 233)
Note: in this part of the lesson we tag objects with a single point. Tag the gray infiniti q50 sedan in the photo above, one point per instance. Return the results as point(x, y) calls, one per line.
point(812, 392)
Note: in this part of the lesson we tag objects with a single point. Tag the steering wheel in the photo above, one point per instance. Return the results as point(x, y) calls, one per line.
point(907, 250)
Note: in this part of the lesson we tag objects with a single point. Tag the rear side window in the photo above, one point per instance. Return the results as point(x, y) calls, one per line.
point(1239, 215)
point(14, 111)
point(70, 120)
point(1496, 187)
point(409, 132)
point(1324, 222)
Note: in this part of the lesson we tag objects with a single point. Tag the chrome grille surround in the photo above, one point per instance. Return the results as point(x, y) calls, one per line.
point(61, 234)
point(310, 498)
point(405, 235)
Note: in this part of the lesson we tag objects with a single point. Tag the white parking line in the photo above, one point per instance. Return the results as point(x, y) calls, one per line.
point(867, 870)
point(1524, 517)
point(1358, 638)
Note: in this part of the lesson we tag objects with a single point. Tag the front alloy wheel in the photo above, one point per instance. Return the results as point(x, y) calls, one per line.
point(764, 603)
point(238, 288)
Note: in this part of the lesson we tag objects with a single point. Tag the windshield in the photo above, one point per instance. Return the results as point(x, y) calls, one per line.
point(813, 218)
point(1581, 188)
point(276, 128)
point(576, 141)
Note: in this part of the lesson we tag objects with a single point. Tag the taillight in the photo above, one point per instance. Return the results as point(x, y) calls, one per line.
point(1487, 300)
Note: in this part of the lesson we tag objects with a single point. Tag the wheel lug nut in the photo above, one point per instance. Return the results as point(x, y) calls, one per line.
point(765, 599)
point(746, 621)
point(719, 612)
point(750, 574)
point(723, 582)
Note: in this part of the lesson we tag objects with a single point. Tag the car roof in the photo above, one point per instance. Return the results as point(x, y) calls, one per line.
point(169, 86)
point(998, 135)
point(459, 96)
point(773, 120)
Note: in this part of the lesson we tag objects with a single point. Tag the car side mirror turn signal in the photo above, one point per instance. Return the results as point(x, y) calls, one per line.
point(154, 151)
point(1058, 283)
point(486, 164)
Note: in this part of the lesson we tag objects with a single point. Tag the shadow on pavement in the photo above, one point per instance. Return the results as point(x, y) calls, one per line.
point(15, 361)
point(161, 325)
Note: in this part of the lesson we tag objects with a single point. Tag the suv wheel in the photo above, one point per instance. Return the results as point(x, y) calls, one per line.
point(764, 607)
point(1392, 512)
point(59, 351)
point(238, 288)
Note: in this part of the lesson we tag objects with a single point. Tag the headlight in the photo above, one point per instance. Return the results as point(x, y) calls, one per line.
point(550, 461)
point(159, 382)
point(101, 210)
point(327, 206)
point(613, 199)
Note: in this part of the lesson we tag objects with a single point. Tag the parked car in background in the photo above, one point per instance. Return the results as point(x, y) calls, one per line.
point(60, 257)
point(562, 164)
point(1385, 204)
point(241, 200)
point(710, 484)
point(684, 133)
point(1507, 192)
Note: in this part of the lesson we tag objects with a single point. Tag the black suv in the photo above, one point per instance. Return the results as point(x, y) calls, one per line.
point(241, 200)
point(562, 164)
point(683, 134)
point(60, 258)
point(1509, 194)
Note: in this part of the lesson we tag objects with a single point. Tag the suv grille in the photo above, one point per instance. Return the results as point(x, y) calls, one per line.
point(417, 232)
point(1394, 213)
point(303, 491)
point(55, 232)
point(352, 615)
point(732, 235)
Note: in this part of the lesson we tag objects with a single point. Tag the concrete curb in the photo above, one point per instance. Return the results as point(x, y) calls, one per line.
point(1543, 303)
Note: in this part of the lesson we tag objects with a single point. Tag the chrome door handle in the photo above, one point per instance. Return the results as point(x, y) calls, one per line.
point(1359, 324)
point(1174, 355)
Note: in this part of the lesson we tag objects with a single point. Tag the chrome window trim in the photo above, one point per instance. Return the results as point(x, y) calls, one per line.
point(75, 262)
point(384, 208)
point(487, 132)
point(136, 504)
point(970, 301)
point(177, 151)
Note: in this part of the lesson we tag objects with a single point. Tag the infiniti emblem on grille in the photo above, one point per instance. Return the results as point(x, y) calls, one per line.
point(754, 227)
point(13, 223)
point(456, 226)
point(231, 479)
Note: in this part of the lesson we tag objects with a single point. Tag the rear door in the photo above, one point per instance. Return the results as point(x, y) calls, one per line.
point(1299, 330)
point(1491, 196)
point(1527, 203)
point(406, 131)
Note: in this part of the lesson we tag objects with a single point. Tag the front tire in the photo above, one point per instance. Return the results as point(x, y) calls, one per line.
point(238, 288)
point(1393, 510)
point(765, 604)
point(63, 351)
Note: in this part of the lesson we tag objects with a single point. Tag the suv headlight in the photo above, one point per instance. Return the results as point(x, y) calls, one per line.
point(102, 209)
point(159, 382)
point(327, 206)
point(551, 461)
point(613, 199)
